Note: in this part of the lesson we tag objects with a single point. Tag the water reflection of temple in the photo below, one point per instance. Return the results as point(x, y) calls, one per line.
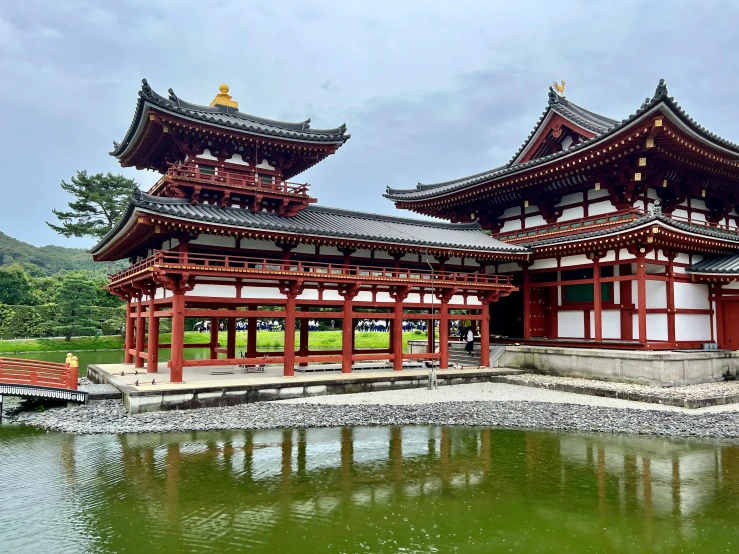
point(259, 483)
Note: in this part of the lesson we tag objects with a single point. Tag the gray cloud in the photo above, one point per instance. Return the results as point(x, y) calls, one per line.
point(430, 91)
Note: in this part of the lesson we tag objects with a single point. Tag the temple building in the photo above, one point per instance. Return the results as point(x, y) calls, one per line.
point(632, 226)
point(225, 235)
point(612, 234)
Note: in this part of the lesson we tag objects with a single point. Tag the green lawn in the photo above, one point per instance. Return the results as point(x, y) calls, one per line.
point(266, 340)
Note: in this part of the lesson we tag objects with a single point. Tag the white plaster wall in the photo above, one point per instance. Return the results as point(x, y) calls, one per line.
point(260, 292)
point(682, 259)
point(698, 217)
point(511, 212)
point(254, 244)
point(575, 260)
point(610, 324)
point(656, 327)
point(698, 204)
point(680, 213)
point(413, 297)
point(362, 253)
point(161, 293)
point(265, 164)
point(330, 251)
point(214, 291)
point(206, 155)
point(656, 294)
point(734, 285)
point(544, 264)
point(573, 198)
point(329, 294)
point(382, 255)
point(623, 254)
point(652, 193)
point(593, 194)
point(571, 324)
point(609, 257)
point(530, 209)
point(693, 327)
point(513, 225)
point(364, 296)
point(534, 221)
point(691, 296)
point(384, 296)
point(571, 213)
point(215, 240)
point(508, 268)
point(472, 300)
point(309, 294)
point(455, 261)
point(600, 208)
point(304, 249)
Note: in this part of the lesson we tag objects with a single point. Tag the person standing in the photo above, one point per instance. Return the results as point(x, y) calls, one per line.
point(470, 341)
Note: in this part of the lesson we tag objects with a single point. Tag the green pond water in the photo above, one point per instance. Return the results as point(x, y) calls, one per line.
point(392, 489)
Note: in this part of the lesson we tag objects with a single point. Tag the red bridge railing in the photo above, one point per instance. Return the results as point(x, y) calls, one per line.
point(16, 371)
point(221, 262)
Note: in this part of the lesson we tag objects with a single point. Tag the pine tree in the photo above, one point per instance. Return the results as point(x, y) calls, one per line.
point(99, 204)
point(74, 297)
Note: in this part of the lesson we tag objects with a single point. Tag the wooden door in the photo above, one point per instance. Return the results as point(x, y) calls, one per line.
point(731, 325)
point(539, 304)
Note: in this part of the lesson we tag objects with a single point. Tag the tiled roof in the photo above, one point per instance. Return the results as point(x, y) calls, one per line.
point(323, 221)
point(603, 127)
point(228, 118)
point(719, 264)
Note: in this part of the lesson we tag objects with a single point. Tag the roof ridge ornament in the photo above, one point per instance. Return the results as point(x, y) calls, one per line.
point(224, 99)
point(145, 88)
point(556, 91)
point(661, 90)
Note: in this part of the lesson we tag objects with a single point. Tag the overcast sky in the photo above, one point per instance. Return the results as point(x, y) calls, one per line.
point(429, 90)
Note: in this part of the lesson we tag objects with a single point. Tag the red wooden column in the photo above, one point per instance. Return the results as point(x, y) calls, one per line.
point(347, 327)
point(178, 337)
point(597, 300)
point(231, 337)
point(140, 333)
point(127, 356)
point(671, 296)
point(641, 295)
point(485, 298)
point(292, 293)
point(430, 334)
point(526, 301)
point(304, 335)
point(251, 335)
point(399, 295)
point(444, 298)
point(213, 337)
point(718, 299)
point(153, 346)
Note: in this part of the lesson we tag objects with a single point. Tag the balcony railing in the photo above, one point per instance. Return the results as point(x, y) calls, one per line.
point(247, 179)
point(168, 260)
point(571, 226)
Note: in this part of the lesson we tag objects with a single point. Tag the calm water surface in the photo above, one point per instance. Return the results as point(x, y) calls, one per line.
point(409, 489)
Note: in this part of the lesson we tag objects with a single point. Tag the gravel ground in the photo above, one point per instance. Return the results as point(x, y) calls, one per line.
point(722, 389)
point(475, 405)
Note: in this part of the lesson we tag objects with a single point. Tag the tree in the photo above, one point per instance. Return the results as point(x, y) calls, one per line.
point(100, 202)
point(15, 286)
point(74, 297)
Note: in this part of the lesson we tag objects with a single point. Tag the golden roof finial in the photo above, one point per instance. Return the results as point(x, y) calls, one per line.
point(560, 88)
point(224, 99)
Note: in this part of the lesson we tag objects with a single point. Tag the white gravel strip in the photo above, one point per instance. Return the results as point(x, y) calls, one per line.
point(719, 389)
point(496, 392)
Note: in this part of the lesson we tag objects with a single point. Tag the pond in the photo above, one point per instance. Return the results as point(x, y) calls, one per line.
point(381, 489)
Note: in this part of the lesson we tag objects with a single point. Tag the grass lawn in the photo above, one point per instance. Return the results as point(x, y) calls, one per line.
point(266, 340)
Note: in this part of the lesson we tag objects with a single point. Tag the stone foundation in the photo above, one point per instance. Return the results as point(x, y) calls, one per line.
point(662, 368)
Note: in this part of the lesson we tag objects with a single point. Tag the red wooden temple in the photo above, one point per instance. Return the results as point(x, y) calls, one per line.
point(225, 235)
point(632, 226)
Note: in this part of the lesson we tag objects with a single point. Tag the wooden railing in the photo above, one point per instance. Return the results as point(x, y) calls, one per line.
point(16, 371)
point(571, 226)
point(220, 262)
point(248, 179)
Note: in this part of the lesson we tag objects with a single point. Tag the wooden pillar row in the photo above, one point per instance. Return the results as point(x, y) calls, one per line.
point(347, 327)
point(127, 356)
point(152, 348)
point(140, 334)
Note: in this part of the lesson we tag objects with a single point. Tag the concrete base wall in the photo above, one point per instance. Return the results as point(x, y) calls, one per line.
point(648, 368)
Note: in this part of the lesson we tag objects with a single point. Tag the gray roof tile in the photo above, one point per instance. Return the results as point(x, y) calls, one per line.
point(327, 222)
point(718, 264)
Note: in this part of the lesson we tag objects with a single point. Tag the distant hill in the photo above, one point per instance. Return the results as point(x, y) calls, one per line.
point(48, 260)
